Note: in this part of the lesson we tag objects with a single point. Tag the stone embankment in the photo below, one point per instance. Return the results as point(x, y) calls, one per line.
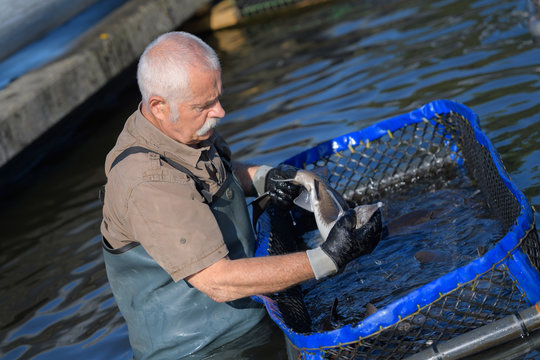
point(35, 102)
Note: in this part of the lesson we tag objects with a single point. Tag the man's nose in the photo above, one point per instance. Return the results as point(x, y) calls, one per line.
point(217, 110)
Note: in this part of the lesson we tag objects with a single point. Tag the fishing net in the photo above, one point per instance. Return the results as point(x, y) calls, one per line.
point(384, 159)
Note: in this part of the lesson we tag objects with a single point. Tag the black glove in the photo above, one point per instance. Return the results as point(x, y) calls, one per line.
point(282, 193)
point(370, 233)
point(344, 243)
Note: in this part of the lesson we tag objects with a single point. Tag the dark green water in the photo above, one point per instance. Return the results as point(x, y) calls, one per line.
point(290, 82)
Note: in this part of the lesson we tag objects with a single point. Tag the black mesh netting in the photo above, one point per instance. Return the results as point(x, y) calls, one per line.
point(427, 149)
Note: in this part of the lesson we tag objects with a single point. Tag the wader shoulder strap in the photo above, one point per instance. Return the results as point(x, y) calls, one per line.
point(199, 185)
point(226, 159)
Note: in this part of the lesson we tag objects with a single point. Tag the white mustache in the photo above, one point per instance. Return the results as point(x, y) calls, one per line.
point(207, 126)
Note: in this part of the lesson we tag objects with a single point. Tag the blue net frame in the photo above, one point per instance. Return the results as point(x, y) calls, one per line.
point(365, 163)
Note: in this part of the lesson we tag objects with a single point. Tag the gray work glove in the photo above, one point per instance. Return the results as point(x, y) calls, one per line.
point(345, 243)
point(268, 180)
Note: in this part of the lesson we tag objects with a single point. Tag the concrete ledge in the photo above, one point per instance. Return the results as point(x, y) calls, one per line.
point(38, 100)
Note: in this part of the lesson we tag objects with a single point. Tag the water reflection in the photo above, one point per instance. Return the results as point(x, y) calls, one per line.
point(49, 38)
point(290, 82)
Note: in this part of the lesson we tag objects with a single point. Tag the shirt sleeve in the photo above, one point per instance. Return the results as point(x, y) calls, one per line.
point(175, 227)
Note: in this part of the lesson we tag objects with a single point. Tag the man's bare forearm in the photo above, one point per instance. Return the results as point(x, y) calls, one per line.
point(228, 280)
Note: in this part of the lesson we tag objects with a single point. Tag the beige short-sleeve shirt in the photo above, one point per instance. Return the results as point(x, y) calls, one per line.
point(150, 202)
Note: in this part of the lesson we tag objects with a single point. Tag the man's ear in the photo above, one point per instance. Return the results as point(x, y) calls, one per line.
point(159, 108)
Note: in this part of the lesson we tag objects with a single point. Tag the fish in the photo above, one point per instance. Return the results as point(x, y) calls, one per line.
point(429, 256)
point(334, 320)
point(326, 203)
point(413, 218)
point(331, 322)
point(328, 206)
point(407, 325)
point(290, 301)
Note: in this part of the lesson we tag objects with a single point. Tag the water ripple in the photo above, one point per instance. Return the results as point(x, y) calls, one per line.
point(290, 83)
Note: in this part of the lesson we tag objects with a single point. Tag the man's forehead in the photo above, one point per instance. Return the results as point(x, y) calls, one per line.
point(205, 97)
point(210, 94)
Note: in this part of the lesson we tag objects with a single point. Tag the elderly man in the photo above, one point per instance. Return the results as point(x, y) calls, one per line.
point(176, 233)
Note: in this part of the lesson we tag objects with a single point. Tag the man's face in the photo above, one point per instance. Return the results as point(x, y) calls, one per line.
point(198, 115)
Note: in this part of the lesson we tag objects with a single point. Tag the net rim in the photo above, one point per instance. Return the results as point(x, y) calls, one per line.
point(505, 251)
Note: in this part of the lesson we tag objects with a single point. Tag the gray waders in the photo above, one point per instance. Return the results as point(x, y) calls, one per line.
point(168, 320)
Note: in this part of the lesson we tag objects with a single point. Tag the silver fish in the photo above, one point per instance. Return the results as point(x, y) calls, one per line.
point(326, 203)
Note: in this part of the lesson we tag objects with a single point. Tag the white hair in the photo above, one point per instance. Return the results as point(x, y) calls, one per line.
point(164, 66)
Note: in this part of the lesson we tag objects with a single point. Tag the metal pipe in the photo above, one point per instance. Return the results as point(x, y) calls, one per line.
point(512, 350)
point(485, 337)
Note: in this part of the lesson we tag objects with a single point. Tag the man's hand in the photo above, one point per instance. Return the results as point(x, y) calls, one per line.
point(341, 245)
point(345, 243)
point(282, 192)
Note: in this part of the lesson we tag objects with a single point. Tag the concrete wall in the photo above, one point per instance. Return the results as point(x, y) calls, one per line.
point(38, 100)
point(22, 22)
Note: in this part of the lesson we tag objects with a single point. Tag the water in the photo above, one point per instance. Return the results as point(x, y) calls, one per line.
point(290, 82)
point(36, 33)
point(430, 231)
point(25, 21)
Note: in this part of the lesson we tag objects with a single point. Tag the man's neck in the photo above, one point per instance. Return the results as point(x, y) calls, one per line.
point(147, 114)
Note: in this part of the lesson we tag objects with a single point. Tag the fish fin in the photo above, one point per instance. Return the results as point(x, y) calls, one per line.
point(338, 199)
point(333, 310)
point(316, 185)
point(259, 204)
point(304, 201)
point(370, 309)
point(328, 324)
point(365, 212)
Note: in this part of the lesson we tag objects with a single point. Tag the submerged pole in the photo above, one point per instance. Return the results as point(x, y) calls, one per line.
point(514, 349)
point(485, 337)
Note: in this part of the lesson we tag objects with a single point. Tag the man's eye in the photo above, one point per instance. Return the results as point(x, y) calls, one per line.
point(200, 108)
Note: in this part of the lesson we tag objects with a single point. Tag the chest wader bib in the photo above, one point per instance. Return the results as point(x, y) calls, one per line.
point(168, 320)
